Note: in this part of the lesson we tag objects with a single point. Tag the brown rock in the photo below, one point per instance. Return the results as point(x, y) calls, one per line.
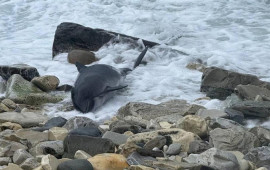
point(46, 83)
point(57, 133)
point(109, 161)
point(9, 125)
point(81, 56)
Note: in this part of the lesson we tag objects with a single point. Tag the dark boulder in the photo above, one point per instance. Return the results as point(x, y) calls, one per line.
point(53, 122)
point(26, 71)
point(71, 36)
point(86, 131)
point(235, 115)
point(91, 145)
point(219, 83)
point(76, 164)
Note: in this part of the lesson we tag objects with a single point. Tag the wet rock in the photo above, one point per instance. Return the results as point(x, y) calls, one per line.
point(54, 148)
point(253, 108)
point(235, 115)
point(116, 138)
point(109, 161)
point(157, 142)
point(7, 148)
point(57, 133)
point(136, 159)
point(149, 111)
point(5, 161)
point(262, 134)
point(77, 122)
point(196, 66)
point(26, 71)
point(81, 56)
point(77, 164)
point(9, 125)
point(198, 146)
point(259, 156)
point(233, 140)
point(64, 87)
point(211, 113)
point(3, 108)
point(81, 155)
point(18, 88)
point(3, 85)
point(53, 122)
point(91, 145)
point(20, 156)
point(149, 152)
point(71, 36)
point(176, 135)
point(9, 103)
point(46, 83)
point(194, 124)
point(174, 149)
point(224, 124)
point(249, 92)
point(86, 131)
point(25, 119)
point(29, 164)
point(219, 83)
point(215, 158)
point(42, 98)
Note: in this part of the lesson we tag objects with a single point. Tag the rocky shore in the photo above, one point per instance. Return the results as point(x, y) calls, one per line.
point(173, 135)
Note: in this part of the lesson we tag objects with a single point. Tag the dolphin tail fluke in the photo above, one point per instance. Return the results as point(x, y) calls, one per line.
point(139, 59)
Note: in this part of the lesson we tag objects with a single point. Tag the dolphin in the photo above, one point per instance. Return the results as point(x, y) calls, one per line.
point(98, 83)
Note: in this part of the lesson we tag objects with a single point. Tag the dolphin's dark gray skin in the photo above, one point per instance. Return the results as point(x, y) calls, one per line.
point(98, 83)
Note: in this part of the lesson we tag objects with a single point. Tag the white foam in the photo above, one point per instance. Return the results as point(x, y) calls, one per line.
point(230, 34)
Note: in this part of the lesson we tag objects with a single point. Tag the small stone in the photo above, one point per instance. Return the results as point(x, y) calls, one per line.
point(9, 125)
point(158, 142)
point(29, 164)
point(49, 162)
point(81, 56)
point(54, 148)
point(81, 155)
point(53, 122)
point(9, 103)
point(7, 148)
point(3, 108)
point(165, 125)
point(198, 146)
point(136, 159)
point(109, 161)
point(20, 156)
point(174, 149)
point(57, 133)
point(46, 83)
point(116, 138)
point(128, 133)
point(77, 164)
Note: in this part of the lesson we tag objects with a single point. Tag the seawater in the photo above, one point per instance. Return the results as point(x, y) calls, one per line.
point(230, 34)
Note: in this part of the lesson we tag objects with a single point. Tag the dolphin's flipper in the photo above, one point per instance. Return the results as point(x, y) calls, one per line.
point(80, 66)
point(139, 59)
point(109, 89)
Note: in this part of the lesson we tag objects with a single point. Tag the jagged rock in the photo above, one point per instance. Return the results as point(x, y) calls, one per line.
point(116, 138)
point(177, 136)
point(81, 155)
point(25, 119)
point(9, 103)
point(5, 161)
point(157, 142)
point(211, 113)
point(249, 92)
point(71, 36)
point(173, 109)
point(262, 134)
point(194, 124)
point(82, 56)
point(9, 125)
point(55, 148)
point(26, 71)
point(77, 164)
point(219, 83)
point(109, 161)
point(253, 108)
point(77, 122)
point(7, 148)
point(235, 115)
point(233, 140)
point(57, 133)
point(20, 156)
point(198, 146)
point(224, 124)
point(259, 156)
point(29, 164)
point(215, 158)
point(91, 145)
point(46, 83)
point(53, 122)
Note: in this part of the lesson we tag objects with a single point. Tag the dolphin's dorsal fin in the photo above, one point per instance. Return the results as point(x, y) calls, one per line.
point(80, 66)
point(139, 59)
